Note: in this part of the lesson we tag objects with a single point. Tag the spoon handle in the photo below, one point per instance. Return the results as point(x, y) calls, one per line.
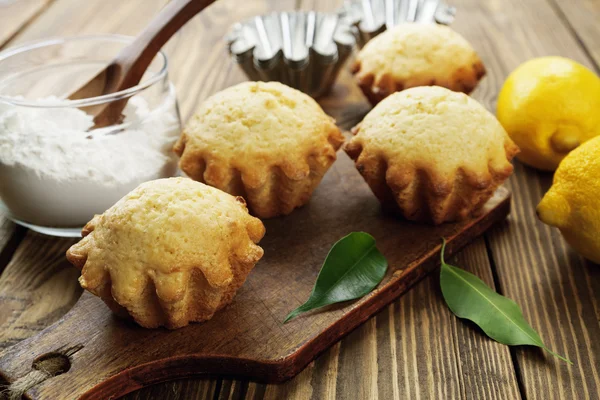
point(128, 67)
point(136, 58)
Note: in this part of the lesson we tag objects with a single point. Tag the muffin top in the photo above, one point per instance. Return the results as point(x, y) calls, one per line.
point(433, 128)
point(253, 126)
point(417, 52)
point(160, 232)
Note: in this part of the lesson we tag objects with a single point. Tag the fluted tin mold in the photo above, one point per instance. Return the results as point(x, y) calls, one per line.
point(371, 17)
point(304, 50)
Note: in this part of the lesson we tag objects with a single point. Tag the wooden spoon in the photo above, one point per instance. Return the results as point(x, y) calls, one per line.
point(128, 67)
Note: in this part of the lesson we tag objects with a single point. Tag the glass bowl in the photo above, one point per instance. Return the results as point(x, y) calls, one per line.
point(56, 173)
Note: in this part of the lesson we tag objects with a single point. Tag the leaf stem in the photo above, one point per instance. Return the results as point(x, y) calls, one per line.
point(307, 306)
point(557, 355)
point(453, 270)
point(353, 268)
point(442, 251)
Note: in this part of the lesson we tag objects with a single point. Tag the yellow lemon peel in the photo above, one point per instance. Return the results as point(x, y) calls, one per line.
point(572, 204)
point(549, 106)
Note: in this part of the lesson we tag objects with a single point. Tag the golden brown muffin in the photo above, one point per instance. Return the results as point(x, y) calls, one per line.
point(264, 141)
point(434, 154)
point(170, 252)
point(416, 54)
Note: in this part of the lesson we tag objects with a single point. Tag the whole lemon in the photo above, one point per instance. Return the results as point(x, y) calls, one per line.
point(549, 106)
point(572, 204)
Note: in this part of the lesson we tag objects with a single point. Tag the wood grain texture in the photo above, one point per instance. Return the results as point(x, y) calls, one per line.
point(338, 374)
point(22, 315)
point(193, 388)
point(558, 293)
point(30, 287)
point(15, 15)
point(248, 338)
point(199, 63)
point(128, 67)
point(69, 17)
point(200, 74)
point(581, 17)
point(557, 290)
point(415, 348)
point(38, 281)
point(10, 238)
point(439, 356)
point(7, 229)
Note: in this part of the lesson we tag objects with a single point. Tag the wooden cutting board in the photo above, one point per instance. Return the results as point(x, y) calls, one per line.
point(111, 357)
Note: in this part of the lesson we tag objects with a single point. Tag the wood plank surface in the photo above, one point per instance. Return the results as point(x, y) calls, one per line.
point(27, 301)
point(556, 289)
point(247, 338)
point(29, 288)
point(415, 348)
point(10, 238)
point(15, 15)
point(391, 373)
point(375, 379)
point(582, 19)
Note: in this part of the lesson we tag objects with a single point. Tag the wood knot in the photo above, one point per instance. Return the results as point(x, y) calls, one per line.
point(43, 367)
point(52, 364)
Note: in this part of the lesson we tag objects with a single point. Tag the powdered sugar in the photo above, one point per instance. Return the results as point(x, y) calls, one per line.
point(55, 173)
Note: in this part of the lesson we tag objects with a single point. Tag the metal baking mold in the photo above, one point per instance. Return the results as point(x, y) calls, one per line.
point(371, 17)
point(304, 50)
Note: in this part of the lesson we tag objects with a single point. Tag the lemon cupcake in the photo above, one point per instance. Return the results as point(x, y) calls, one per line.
point(432, 154)
point(170, 252)
point(416, 54)
point(264, 141)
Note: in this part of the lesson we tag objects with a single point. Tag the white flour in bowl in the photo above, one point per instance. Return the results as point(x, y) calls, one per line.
point(53, 174)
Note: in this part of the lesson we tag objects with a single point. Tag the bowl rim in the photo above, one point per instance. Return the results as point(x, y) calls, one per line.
point(90, 101)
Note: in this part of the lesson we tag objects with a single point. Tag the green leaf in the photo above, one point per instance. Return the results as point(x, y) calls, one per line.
point(498, 316)
point(353, 268)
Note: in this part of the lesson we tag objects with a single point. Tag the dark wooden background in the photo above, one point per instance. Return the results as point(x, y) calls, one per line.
point(415, 348)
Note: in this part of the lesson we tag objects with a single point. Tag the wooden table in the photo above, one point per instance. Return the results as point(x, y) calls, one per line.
point(415, 348)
